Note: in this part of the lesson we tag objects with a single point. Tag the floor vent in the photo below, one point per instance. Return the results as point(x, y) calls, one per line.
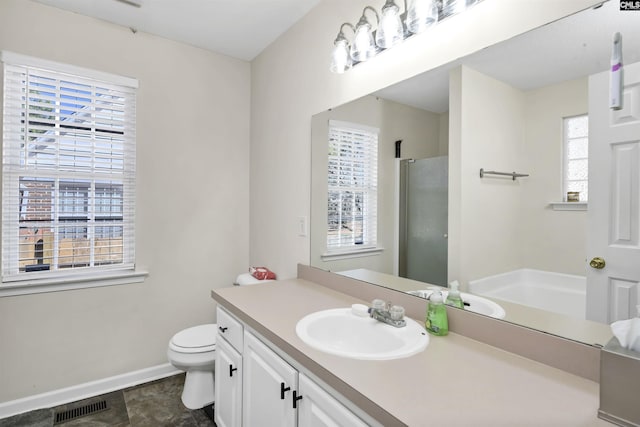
point(82, 411)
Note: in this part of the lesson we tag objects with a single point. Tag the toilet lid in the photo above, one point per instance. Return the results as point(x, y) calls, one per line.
point(196, 337)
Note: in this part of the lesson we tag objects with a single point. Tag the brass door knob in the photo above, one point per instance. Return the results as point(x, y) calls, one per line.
point(597, 262)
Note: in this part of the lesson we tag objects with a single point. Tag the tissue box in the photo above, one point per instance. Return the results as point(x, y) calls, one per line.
point(619, 384)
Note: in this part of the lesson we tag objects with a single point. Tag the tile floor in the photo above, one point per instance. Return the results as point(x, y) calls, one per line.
point(152, 404)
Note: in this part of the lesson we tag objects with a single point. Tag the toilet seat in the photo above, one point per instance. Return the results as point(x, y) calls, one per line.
point(198, 339)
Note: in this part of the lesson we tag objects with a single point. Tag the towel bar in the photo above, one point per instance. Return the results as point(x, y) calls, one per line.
point(513, 175)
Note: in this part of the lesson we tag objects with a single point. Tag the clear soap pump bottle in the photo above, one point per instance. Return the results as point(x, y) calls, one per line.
point(437, 322)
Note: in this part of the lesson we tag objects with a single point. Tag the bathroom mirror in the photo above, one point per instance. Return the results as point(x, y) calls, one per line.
point(522, 90)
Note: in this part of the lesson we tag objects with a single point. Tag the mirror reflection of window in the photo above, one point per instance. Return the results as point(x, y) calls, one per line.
point(39, 251)
point(576, 158)
point(352, 186)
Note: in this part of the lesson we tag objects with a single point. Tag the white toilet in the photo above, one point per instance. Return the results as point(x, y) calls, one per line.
point(194, 350)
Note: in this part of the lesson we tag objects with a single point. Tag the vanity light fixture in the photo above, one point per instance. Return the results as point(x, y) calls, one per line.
point(421, 14)
point(363, 46)
point(341, 57)
point(451, 7)
point(392, 29)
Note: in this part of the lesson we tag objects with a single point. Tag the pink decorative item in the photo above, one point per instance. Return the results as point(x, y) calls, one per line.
point(262, 273)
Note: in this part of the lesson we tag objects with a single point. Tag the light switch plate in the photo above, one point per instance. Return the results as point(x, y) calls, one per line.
point(302, 226)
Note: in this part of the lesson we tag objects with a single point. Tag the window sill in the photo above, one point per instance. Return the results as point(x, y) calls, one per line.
point(569, 206)
point(356, 253)
point(37, 286)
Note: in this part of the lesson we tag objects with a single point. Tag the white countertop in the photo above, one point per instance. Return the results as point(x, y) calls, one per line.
point(456, 381)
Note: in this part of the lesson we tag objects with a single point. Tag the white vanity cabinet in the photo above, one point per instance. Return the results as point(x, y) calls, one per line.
point(228, 385)
point(318, 408)
point(269, 384)
point(228, 371)
point(275, 394)
point(255, 386)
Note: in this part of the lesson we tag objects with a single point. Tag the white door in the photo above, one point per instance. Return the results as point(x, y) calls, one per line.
point(268, 387)
point(613, 218)
point(318, 408)
point(228, 387)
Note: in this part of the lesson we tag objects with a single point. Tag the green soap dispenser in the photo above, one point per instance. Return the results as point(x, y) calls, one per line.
point(437, 322)
point(453, 297)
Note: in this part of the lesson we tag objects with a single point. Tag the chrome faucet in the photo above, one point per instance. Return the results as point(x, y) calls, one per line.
point(386, 313)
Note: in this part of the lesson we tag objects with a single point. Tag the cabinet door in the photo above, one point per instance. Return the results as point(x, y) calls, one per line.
point(268, 387)
point(317, 408)
point(228, 385)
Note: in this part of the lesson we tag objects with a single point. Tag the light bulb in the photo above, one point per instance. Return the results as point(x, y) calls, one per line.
point(363, 46)
point(340, 59)
point(421, 15)
point(390, 31)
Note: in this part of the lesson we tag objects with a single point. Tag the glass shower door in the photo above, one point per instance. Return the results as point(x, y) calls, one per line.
point(424, 198)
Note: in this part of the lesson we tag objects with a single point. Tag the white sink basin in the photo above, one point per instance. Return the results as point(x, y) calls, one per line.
point(475, 303)
point(341, 332)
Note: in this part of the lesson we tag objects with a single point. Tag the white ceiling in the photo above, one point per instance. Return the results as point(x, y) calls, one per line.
point(238, 28)
point(567, 49)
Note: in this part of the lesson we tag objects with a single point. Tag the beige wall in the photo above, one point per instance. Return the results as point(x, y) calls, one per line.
point(192, 205)
point(484, 231)
point(291, 82)
point(553, 240)
point(419, 131)
point(498, 224)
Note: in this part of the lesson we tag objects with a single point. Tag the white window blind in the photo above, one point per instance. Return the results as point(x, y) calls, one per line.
point(352, 186)
point(68, 189)
point(576, 156)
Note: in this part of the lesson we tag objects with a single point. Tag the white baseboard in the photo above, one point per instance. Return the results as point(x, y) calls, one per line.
point(86, 390)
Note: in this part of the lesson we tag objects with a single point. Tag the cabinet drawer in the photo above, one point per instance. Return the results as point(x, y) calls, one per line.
point(230, 329)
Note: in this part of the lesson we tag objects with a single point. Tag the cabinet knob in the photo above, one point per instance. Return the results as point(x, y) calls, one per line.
point(231, 370)
point(295, 399)
point(283, 390)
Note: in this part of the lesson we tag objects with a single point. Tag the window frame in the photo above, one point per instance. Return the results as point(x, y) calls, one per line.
point(566, 139)
point(339, 130)
point(15, 281)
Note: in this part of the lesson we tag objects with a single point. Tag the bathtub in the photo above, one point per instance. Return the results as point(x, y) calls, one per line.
point(560, 293)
